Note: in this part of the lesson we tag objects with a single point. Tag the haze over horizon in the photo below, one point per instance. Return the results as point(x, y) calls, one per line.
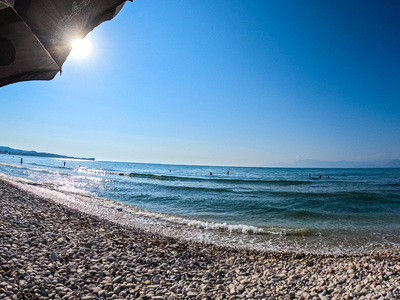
point(393, 163)
point(234, 83)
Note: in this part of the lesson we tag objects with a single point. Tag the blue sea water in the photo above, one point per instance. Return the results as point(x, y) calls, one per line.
point(274, 209)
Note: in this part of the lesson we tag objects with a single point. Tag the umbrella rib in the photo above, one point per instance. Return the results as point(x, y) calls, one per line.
point(38, 40)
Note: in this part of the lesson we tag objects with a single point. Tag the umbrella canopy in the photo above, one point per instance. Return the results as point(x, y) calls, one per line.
point(36, 35)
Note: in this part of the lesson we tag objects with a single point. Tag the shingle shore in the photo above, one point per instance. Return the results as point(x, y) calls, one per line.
point(48, 251)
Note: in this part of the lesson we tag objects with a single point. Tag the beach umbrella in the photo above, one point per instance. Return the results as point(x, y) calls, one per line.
point(36, 35)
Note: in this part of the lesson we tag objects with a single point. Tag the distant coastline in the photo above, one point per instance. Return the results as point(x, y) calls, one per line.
point(11, 151)
point(394, 163)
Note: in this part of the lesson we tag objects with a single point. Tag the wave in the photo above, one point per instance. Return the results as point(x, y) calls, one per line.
point(199, 189)
point(395, 184)
point(228, 228)
point(41, 165)
point(279, 182)
point(87, 170)
point(25, 166)
point(293, 231)
point(53, 167)
point(9, 165)
point(249, 229)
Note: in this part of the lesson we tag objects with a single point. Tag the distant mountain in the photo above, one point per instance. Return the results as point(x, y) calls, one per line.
point(11, 151)
point(394, 163)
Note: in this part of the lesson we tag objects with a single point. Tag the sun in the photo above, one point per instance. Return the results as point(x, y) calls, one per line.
point(81, 48)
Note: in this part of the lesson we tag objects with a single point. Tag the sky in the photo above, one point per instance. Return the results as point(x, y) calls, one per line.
point(222, 82)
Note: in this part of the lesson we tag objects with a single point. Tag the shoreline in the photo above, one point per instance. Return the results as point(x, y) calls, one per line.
point(96, 258)
point(275, 211)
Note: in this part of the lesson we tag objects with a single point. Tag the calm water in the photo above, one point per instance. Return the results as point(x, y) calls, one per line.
point(354, 210)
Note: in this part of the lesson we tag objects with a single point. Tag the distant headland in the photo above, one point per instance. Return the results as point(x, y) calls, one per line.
point(393, 163)
point(11, 151)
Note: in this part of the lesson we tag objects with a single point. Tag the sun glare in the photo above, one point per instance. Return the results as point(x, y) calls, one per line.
point(81, 48)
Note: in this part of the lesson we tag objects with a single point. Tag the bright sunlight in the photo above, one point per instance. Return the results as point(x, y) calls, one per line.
point(81, 48)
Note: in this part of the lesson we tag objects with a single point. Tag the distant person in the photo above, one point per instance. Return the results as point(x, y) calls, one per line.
point(64, 163)
point(21, 160)
point(319, 176)
point(309, 174)
point(210, 173)
point(227, 172)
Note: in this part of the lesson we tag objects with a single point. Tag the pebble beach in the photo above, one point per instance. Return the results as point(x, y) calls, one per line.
point(49, 251)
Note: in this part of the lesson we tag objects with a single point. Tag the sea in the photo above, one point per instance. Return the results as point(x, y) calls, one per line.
point(307, 210)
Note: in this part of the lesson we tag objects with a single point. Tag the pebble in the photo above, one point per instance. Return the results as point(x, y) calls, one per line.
point(48, 251)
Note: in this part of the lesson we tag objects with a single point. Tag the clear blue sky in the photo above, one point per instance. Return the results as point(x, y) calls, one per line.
point(222, 82)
